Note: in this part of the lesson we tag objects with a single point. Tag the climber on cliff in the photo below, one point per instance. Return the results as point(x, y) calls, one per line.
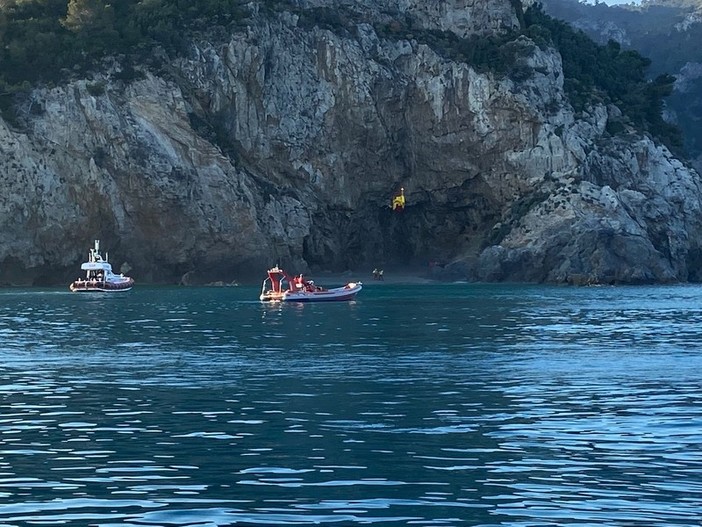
point(398, 202)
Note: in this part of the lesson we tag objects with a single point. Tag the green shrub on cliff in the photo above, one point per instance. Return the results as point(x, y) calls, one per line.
point(44, 40)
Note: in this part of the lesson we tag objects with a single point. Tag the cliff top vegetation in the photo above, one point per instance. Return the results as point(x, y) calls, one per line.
point(47, 41)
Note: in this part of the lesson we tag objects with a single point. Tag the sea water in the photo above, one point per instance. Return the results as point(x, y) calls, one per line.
point(416, 404)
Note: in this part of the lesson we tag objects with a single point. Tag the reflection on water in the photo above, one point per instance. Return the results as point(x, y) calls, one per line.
point(420, 405)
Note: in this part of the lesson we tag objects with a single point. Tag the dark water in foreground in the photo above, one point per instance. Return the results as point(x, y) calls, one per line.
point(415, 405)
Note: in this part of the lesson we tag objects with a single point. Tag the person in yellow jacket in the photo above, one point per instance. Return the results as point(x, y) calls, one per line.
point(398, 202)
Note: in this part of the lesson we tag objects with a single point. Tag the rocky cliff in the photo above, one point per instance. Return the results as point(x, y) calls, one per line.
point(666, 31)
point(284, 141)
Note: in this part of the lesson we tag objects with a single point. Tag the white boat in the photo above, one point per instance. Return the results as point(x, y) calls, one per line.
point(281, 287)
point(99, 276)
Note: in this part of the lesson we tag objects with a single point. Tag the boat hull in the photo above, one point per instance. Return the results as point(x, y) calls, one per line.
point(339, 294)
point(100, 287)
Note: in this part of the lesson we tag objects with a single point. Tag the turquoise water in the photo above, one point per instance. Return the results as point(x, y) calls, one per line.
point(476, 405)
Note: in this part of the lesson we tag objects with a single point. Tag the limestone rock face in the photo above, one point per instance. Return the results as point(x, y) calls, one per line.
point(462, 17)
point(601, 224)
point(284, 144)
point(124, 166)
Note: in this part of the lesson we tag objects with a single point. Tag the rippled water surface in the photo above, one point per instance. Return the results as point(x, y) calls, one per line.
point(414, 405)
